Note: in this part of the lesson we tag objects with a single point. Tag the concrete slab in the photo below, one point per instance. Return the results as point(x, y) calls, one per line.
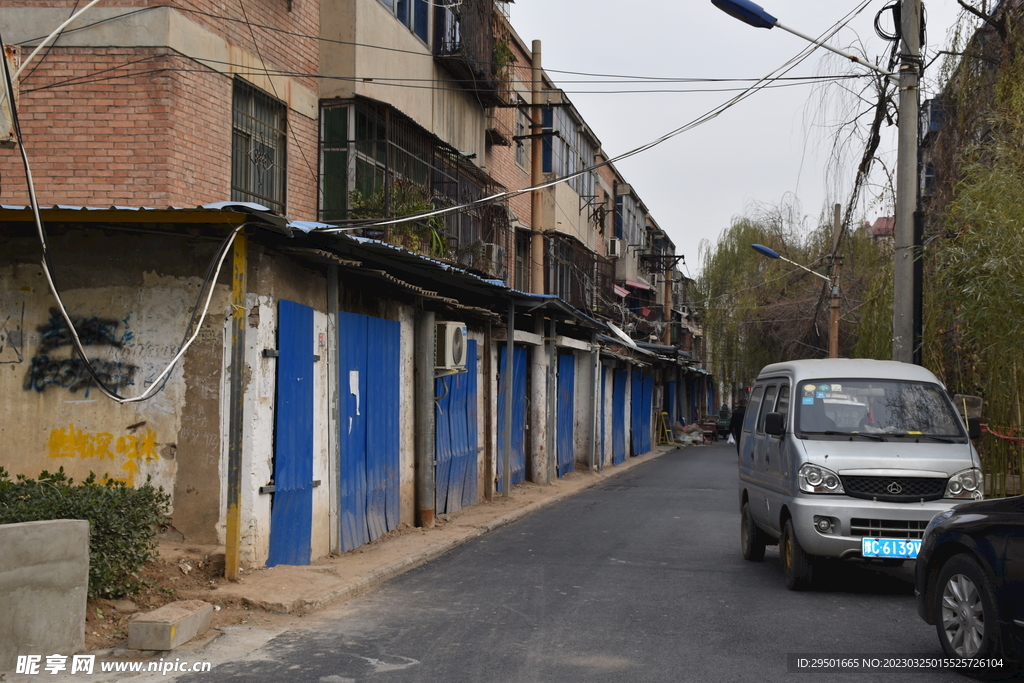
point(44, 581)
point(170, 626)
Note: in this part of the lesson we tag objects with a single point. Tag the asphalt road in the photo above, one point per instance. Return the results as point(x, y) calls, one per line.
point(637, 580)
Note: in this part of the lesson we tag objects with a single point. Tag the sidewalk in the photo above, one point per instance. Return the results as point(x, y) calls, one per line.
point(298, 590)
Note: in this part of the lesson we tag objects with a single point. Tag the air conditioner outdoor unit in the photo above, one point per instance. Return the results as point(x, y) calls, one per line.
point(615, 248)
point(450, 342)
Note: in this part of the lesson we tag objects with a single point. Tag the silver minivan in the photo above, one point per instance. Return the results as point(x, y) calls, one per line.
point(849, 459)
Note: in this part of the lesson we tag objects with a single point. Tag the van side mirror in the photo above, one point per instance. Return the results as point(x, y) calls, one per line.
point(775, 424)
point(974, 428)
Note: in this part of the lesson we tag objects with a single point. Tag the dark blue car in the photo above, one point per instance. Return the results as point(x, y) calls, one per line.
point(970, 578)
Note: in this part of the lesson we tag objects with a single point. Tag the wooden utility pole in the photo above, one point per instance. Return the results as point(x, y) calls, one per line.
point(537, 176)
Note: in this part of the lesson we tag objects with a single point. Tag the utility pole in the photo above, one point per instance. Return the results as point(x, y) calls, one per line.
point(537, 176)
point(905, 289)
point(837, 262)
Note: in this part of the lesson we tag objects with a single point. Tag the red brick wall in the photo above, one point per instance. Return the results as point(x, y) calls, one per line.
point(147, 126)
point(138, 127)
point(292, 45)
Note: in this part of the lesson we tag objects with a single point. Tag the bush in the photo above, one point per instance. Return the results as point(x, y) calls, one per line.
point(123, 521)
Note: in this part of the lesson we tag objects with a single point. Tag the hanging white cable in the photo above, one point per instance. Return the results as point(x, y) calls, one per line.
point(47, 39)
point(50, 37)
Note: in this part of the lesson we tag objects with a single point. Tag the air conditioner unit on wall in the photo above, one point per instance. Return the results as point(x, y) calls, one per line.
point(450, 344)
point(614, 248)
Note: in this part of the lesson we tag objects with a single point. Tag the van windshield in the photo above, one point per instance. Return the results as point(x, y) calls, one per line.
point(874, 406)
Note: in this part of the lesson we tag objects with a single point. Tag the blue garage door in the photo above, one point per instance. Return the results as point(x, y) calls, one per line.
point(455, 439)
point(369, 358)
point(291, 511)
point(642, 400)
point(566, 413)
point(518, 393)
point(619, 417)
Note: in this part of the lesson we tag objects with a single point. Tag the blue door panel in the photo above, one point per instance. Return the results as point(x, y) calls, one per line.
point(566, 413)
point(518, 393)
point(291, 513)
point(352, 341)
point(382, 437)
point(456, 437)
point(619, 417)
point(369, 362)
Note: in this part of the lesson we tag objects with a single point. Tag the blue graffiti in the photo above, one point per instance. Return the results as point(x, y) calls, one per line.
point(73, 374)
point(91, 332)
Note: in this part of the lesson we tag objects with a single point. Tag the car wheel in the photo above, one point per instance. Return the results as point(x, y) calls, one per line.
point(965, 610)
point(797, 565)
point(751, 537)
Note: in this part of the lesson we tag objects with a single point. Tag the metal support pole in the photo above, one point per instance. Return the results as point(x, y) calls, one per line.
point(425, 419)
point(236, 413)
point(537, 177)
point(489, 416)
point(904, 293)
point(334, 421)
point(506, 470)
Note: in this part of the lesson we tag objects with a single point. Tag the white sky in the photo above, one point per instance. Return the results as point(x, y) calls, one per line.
point(766, 148)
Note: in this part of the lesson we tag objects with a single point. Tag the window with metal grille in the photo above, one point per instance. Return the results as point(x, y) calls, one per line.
point(257, 148)
point(377, 163)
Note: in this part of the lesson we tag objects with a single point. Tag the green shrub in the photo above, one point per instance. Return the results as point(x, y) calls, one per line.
point(123, 521)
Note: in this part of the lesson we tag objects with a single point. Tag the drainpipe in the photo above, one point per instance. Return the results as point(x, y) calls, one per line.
point(236, 413)
point(537, 177)
point(425, 418)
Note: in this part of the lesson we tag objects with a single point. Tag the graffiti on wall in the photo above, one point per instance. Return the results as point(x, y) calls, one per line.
point(123, 453)
point(72, 373)
point(12, 319)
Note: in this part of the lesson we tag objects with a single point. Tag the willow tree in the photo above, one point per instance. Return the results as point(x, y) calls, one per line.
point(760, 310)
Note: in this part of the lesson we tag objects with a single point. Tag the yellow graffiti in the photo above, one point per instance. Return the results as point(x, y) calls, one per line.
point(75, 443)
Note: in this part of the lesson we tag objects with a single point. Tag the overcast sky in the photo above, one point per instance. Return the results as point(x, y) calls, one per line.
point(766, 149)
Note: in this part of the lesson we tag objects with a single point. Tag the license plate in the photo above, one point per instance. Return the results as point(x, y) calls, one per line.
point(902, 548)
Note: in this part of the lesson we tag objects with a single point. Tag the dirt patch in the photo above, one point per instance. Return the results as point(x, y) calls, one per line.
point(181, 573)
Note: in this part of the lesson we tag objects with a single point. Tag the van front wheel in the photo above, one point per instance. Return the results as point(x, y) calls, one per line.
point(797, 565)
point(751, 538)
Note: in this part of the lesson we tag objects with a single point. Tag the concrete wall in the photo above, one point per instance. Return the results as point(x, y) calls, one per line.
point(130, 297)
point(44, 582)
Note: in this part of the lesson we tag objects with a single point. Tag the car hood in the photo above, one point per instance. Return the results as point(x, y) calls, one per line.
point(928, 458)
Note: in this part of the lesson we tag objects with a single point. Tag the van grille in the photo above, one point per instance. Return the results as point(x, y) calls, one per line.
point(895, 489)
point(886, 528)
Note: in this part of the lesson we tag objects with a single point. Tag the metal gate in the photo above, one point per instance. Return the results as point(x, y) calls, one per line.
point(518, 392)
point(291, 509)
point(369, 361)
point(619, 417)
point(455, 438)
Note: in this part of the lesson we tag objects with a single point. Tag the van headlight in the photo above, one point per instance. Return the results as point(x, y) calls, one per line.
point(966, 484)
point(818, 479)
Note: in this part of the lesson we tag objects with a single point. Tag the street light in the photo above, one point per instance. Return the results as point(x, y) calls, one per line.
point(906, 326)
point(833, 322)
point(756, 16)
